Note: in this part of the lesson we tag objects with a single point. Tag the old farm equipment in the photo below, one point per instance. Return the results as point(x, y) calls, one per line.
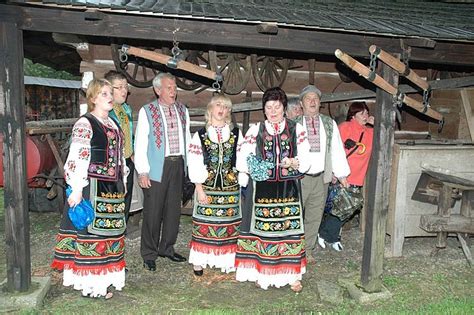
point(234, 69)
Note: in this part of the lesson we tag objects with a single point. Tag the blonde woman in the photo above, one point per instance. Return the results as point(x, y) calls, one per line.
point(216, 213)
point(93, 258)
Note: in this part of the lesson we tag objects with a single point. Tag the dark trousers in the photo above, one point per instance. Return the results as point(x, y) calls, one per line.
point(128, 197)
point(161, 211)
point(330, 228)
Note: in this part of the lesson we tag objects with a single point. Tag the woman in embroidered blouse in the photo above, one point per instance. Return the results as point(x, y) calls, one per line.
point(270, 248)
point(92, 258)
point(216, 213)
point(357, 135)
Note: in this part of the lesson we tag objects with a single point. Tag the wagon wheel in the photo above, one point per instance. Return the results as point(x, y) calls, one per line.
point(269, 71)
point(235, 70)
point(138, 71)
point(197, 58)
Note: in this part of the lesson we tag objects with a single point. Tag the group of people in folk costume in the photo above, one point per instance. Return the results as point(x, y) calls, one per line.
point(258, 201)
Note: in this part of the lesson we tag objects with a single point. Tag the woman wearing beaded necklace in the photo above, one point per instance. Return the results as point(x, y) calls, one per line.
point(92, 259)
point(275, 153)
point(216, 213)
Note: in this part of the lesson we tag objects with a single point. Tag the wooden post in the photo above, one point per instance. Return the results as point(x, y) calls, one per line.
point(246, 120)
point(12, 104)
point(378, 186)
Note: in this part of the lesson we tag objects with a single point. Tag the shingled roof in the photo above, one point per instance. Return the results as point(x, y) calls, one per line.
point(434, 20)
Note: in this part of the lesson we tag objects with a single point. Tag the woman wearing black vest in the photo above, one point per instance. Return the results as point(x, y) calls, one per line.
point(275, 153)
point(92, 258)
point(216, 213)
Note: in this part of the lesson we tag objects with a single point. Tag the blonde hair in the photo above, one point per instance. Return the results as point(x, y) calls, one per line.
point(93, 89)
point(224, 100)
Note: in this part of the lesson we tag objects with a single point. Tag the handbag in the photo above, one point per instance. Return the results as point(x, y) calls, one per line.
point(82, 214)
point(347, 201)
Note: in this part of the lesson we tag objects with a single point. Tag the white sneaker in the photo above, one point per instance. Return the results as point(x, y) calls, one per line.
point(337, 246)
point(321, 242)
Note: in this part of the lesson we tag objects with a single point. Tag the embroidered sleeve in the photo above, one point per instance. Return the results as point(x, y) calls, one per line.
point(245, 148)
point(243, 178)
point(77, 163)
point(196, 169)
point(141, 143)
point(303, 149)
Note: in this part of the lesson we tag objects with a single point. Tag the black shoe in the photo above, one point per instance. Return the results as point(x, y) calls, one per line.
point(175, 257)
point(149, 265)
point(198, 272)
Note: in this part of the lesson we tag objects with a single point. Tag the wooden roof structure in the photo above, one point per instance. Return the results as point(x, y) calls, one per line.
point(439, 35)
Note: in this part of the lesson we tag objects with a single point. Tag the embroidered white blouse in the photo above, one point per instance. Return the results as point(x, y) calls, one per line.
point(197, 170)
point(249, 146)
point(79, 157)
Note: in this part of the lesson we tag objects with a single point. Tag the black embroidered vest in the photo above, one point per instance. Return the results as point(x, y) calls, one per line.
point(221, 171)
point(106, 153)
point(286, 142)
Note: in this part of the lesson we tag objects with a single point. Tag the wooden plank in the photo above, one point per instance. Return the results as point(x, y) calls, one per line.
point(12, 103)
point(227, 35)
point(455, 223)
point(468, 105)
point(444, 210)
point(56, 154)
point(378, 189)
point(465, 247)
point(397, 200)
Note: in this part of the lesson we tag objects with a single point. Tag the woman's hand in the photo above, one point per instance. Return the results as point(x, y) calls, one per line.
point(290, 162)
point(285, 163)
point(201, 195)
point(74, 198)
point(371, 120)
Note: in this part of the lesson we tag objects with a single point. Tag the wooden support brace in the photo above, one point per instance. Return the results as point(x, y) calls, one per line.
point(164, 59)
point(381, 83)
point(399, 66)
point(453, 224)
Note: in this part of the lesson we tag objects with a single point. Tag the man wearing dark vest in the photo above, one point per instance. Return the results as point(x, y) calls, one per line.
point(161, 140)
point(122, 114)
point(328, 159)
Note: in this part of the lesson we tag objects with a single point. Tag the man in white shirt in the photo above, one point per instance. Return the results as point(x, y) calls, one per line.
point(161, 140)
point(328, 159)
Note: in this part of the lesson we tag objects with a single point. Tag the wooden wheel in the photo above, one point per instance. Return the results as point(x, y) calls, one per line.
point(235, 70)
point(138, 71)
point(269, 71)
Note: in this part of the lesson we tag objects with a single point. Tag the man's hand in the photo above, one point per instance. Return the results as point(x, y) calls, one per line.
point(144, 181)
point(343, 181)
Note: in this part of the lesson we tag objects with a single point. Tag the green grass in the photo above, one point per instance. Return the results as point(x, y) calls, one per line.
point(419, 285)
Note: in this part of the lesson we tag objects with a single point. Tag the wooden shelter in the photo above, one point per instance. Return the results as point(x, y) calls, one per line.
point(437, 39)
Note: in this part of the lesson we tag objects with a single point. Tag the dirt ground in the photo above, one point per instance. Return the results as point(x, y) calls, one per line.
point(419, 283)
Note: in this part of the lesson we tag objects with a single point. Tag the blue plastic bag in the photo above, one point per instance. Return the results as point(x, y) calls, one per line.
point(82, 214)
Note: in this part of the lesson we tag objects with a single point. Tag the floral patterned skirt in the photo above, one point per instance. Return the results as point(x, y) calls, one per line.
point(91, 262)
point(271, 246)
point(216, 226)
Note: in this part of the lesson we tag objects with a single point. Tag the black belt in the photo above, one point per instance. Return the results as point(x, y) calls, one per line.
point(314, 175)
point(174, 157)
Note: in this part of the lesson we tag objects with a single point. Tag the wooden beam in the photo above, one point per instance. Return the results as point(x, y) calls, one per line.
point(454, 223)
point(378, 187)
point(12, 103)
point(226, 34)
point(468, 105)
